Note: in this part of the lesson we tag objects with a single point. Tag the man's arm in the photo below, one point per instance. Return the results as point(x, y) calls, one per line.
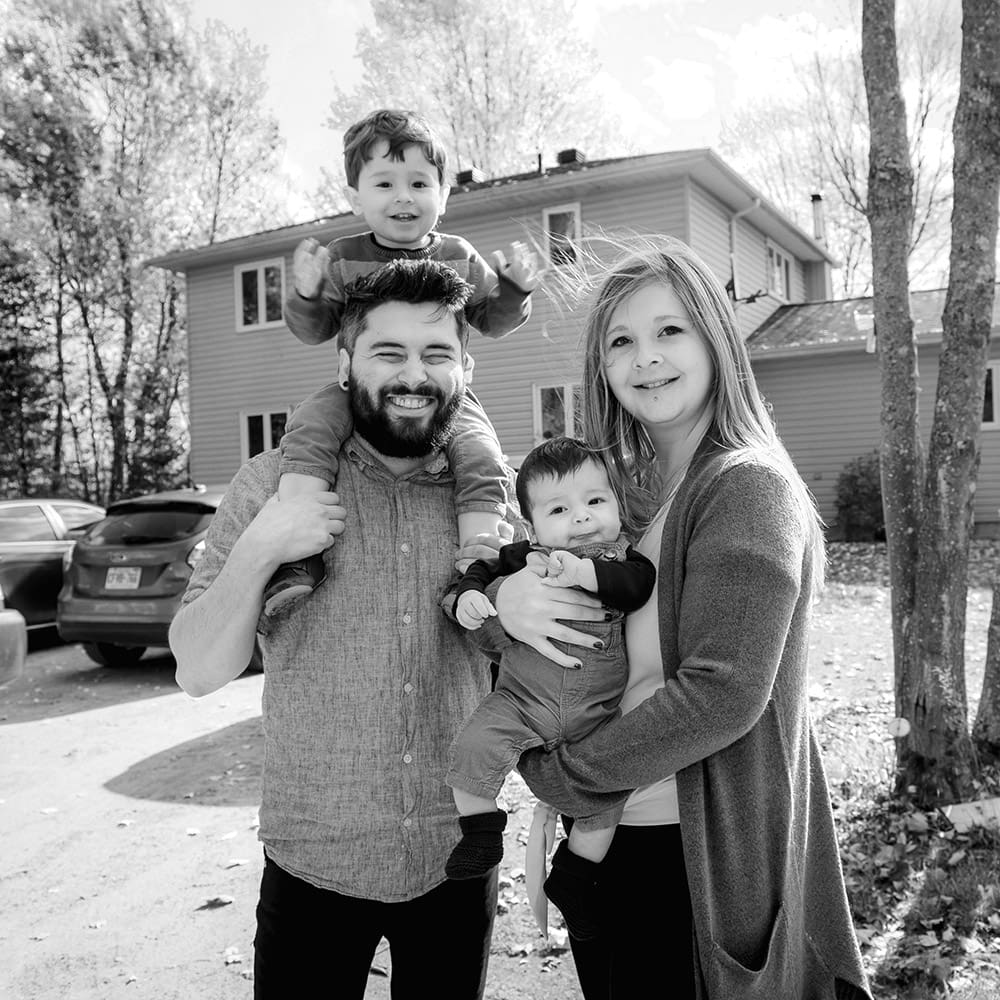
point(212, 636)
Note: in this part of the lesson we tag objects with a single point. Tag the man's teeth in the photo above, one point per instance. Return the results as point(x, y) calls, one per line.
point(411, 402)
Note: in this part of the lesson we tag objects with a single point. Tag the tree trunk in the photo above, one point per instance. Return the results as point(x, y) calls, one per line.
point(968, 317)
point(890, 215)
point(986, 731)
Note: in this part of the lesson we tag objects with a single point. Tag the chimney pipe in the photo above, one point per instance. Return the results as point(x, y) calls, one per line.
point(819, 221)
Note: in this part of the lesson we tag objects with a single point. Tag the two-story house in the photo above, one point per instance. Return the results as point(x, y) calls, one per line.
point(247, 371)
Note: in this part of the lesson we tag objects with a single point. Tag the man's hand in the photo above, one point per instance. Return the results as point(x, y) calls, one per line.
point(472, 609)
point(285, 530)
point(568, 570)
point(309, 264)
point(519, 266)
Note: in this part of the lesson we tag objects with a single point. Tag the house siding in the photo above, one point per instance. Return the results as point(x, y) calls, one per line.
point(270, 370)
point(827, 411)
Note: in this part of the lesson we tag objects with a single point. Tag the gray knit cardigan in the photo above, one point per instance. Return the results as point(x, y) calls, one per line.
point(735, 578)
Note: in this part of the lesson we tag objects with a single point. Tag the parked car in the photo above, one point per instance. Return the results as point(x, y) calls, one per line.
point(124, 579)
point(35, 535)
point(13, 642)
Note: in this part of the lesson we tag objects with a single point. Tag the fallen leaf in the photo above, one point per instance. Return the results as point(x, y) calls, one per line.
point(927, 940)
point(956, 857)
point(215, 902)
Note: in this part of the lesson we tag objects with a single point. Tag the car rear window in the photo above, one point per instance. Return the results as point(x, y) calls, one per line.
point(148, 525)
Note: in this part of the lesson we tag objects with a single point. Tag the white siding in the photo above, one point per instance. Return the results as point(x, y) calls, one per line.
point(827, 410)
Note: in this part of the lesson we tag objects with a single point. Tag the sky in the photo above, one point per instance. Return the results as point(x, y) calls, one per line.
point(673, 69)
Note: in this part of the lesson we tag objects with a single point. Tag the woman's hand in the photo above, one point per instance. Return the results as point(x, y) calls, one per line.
point(530, 612)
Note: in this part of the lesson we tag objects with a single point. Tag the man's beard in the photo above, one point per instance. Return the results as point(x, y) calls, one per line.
point(401, 437)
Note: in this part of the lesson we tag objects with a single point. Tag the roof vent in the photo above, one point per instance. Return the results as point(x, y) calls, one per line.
point(567, 156)
point(471, 176)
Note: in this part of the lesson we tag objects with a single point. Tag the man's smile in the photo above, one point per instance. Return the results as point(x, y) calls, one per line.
point(411, 402)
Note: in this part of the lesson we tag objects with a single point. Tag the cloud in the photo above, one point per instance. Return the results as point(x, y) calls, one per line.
point(685, 87)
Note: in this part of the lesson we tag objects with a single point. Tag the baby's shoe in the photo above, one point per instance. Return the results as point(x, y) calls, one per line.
point(292, 581)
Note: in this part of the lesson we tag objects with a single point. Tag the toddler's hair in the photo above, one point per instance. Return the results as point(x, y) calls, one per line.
point(409, 281)
point(554, 458)
point(400, 129)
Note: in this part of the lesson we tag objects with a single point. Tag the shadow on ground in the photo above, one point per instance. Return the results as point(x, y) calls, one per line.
point(220, 769)
point(60, 680)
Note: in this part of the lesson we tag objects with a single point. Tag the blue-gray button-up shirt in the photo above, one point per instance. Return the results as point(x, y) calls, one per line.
point(365, 683)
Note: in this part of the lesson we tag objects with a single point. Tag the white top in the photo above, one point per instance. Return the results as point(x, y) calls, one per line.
point(656, 804)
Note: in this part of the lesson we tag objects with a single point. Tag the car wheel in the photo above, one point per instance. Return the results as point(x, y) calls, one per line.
point(107, 654)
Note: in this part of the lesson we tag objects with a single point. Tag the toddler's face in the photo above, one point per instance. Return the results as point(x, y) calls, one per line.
point(574, 509)
point(401, 200)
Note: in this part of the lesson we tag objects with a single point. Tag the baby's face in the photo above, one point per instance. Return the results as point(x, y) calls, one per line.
point(574, 509)
point(400, 200)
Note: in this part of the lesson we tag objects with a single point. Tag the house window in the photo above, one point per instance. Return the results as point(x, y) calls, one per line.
point(779, 273)
point(557, 411)
point(991, 399)
point(562, 232)
point(261, 431)
point(260, 290)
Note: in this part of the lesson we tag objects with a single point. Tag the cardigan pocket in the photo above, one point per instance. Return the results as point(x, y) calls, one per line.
point(728, 979)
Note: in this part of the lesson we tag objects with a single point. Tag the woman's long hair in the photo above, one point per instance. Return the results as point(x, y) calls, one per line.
point(741, 420)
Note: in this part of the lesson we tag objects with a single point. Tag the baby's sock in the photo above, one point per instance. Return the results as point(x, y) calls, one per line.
point(481, 846)
point(572, 886)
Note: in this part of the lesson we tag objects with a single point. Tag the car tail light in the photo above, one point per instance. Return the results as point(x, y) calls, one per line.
point(194, 556)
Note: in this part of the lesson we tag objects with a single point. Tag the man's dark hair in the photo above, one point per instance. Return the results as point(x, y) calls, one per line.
point(400, 129)
point(410, 281)
point(552, 459)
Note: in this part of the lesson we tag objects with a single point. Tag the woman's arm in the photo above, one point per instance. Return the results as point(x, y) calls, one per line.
point(740, 580)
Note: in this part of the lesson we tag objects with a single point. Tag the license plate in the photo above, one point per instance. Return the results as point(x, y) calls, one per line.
point(123, 578)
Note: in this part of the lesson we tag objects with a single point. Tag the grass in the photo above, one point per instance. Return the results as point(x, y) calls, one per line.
point(926, 900)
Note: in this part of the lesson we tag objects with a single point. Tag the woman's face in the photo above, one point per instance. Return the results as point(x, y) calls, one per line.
point(656, 362)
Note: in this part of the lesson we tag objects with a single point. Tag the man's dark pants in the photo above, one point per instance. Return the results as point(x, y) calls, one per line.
point(318, 943)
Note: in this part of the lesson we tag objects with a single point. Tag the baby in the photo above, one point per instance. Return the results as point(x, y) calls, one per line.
point(565, 493)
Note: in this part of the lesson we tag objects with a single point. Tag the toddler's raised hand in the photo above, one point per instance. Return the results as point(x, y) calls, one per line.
point(309, 263)
point(519, 266)
point(472, 609)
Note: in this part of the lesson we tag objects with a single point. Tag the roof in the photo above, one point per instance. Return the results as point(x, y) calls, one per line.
point(517, 190)
point(843, 325)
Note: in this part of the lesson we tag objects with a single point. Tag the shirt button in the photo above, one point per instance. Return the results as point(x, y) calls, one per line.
point(407, 687)
point(405, 547)
point(407, 618)
point(407, 821)
point(407, 758)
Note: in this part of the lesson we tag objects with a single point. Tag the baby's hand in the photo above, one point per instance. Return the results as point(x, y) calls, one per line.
point(309, 264)
point(519, 266)
point(472, 609)
point(565, 570)
point(537, 562)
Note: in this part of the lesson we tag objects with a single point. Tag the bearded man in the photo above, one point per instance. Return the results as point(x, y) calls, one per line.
point(366, 683)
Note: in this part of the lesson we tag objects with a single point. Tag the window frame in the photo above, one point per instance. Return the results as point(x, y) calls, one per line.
point(266, 413)
point(570, 208)
point(260, 266)
point(785, 261)
point(569, 387)
point(993, 382)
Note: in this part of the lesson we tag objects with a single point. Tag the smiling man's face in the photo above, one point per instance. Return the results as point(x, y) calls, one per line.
point(406, 378)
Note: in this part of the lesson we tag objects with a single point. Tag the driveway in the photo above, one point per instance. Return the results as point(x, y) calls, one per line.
point(128, 815)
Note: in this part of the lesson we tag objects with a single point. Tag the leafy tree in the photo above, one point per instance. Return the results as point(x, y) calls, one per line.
point(817, 140)
point(123, 134)
point(503, 83)
point(928, 503)
point(27, 397)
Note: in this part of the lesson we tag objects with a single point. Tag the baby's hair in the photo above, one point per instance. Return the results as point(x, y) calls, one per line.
point(552, 459)
point(409, 281)
point(399, 129)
